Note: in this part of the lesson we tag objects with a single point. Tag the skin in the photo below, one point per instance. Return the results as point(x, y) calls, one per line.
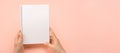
point(54, 43)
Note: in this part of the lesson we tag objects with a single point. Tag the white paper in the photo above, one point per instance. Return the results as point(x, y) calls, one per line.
point(35, 24)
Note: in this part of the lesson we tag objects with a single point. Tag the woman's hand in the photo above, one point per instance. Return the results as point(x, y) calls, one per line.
point(55, 43)
point(18, 44)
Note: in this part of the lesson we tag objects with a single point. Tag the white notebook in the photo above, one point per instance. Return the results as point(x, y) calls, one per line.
point(35, 24)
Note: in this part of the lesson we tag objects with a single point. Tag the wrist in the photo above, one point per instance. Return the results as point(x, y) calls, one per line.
point(60, 50)
point(63, 51)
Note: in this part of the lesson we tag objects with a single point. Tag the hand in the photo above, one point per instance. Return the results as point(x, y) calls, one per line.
point(55, 43)
point(18, 45)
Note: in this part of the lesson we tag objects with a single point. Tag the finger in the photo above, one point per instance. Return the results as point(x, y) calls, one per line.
point(51, 40)
point(52, 34)
point(18, 39)
point(52, 37)
point(19, 36)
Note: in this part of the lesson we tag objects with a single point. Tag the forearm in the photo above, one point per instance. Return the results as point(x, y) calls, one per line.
point(18, 50)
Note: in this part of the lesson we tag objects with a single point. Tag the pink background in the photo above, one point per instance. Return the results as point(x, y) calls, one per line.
point(83, 26)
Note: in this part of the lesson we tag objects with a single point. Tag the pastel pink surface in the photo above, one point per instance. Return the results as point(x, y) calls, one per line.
point(83, 26)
